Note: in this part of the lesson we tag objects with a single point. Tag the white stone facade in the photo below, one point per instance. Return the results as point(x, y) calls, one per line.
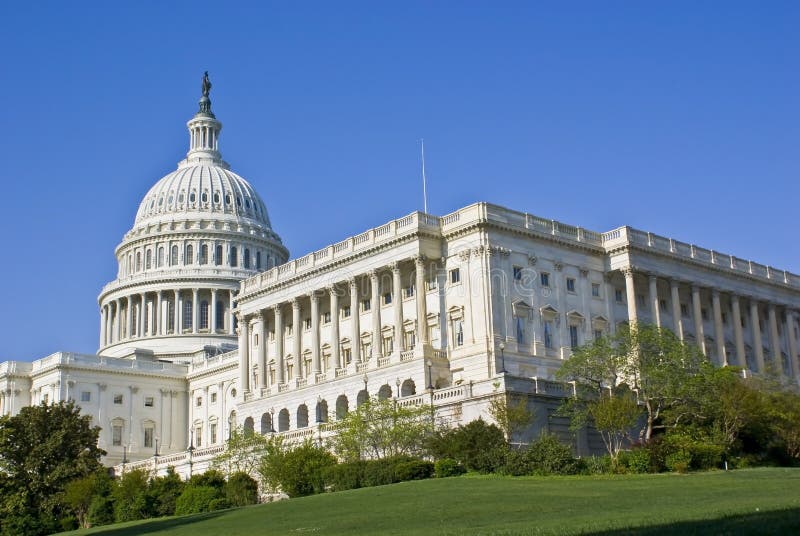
point(208, 326)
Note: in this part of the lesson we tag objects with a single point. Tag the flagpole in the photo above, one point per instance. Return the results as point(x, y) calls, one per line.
point(424, 180)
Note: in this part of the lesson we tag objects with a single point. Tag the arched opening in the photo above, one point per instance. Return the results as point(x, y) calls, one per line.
point(341, 407)
point(148, 259)
point(302, 416)
point(220, 315)
point(160, 257)
point(384, 392)
point(322, 411)
point(408, 388)
point(246, 258)
point(138, 261)
point(189, 255)
point(187, 314)
point(218, 255)
point(249, 427)
point(283, 420)
point(266, 423)
point(203, 314)
point(362, 397)
point(234, 257)
point(258, 260)
point(173, 256)
point(204, 254)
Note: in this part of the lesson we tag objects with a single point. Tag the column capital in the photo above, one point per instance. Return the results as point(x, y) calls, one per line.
point(353, 283)
point(652, 277)
point(395, 267)
point(295, 303)
point(373, 275)
point(277, 309)
point(420, 260)
point(262, 314)
point(314, 296)
point(627, 271)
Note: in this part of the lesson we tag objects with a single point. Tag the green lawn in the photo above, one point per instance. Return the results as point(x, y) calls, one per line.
point(755, 501)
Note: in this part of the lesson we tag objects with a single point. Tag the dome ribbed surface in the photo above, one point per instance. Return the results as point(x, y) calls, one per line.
point(203, 191)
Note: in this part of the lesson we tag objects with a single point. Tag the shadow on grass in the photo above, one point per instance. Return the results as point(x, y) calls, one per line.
point(772, 522)
point(158, 525)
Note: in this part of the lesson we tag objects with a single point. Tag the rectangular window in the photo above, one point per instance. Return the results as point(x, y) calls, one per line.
point(148, 438)
point(366, 305)
point(704, 313)
point(326, 317)
point(387, 298)
point(684, 310)
point(213, 398)
point(662, 304)
point(595, 290)
point(455, 275)
point(432, 284)
point(618, 295)
point(459, 330)
point(598, 334)
point(573, 337)
point(409, 291)
point(117, 399)
point(570, 284)
point(544, 278)
point(724, 318)
point(86, 396)
point(411, 339)
point(307, 324)
point(517, 273)
point(346, 311)
point(212, 432)
point(642, 300)
point(548, 334)
point(116, 435)
point(198, 436)
point(347, 355)
point(198, 401)
point(149, 402)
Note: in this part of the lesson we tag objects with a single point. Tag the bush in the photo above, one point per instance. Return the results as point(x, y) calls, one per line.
point(344, 476)
point(413, 470)
point(101, 510)
point(241, 489)
point(219, 504)
point(211, 478)
point(547, 455)
point(477, 446)
point(130, 497)
point(448, 467)
point(638, 460)
point(679, 461)
point(303, 470)
point(596, 465)
point(164, 491)
point(380, 472)
point(196, 499)
point(517, 463)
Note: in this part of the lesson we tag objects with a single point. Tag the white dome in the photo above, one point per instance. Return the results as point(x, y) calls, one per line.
point(203, 190)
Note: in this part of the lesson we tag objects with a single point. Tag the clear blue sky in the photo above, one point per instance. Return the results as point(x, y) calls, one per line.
point(681, 118)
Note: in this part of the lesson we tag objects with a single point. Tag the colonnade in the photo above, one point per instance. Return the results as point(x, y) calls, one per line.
point(289, 339)
point(144, 315)
point(745, 310)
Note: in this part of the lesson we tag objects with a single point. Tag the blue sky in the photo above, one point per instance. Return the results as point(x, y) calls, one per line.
point(681, 118)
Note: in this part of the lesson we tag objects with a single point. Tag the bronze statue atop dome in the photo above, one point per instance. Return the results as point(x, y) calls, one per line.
point(206, 84)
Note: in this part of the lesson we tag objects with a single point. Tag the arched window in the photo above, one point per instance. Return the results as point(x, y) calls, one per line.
point(138, 261)
point(266, 423)
point(322, 411)
point(341, 407)
point(302, 416)
point(283, 420)
point(189, 259)
point(173, 256)
point(220, 315)
point(408, 388)
point(160, 257)
point(247, 258)
point(170, 309)
point(203, 314)
point(362, 397)
point(187, 314)
point(204, 254)
point(385, 392)
point(148, 259)
point(249, 426)
point(218, 256)
point(234, 257)
point(258, 260)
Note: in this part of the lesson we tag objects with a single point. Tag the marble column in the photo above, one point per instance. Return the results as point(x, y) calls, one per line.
point(159, 330)
point(654, 305)
point(212, 314)
point(738, 336)
point(297, 342)
point(244, 355)
point(697, 313)
point(230, 313)
point(630, 295)
point(335, 354)
point(116, 336)
point(177, 314)
point(195, 311)
point(774, 338)
point(397, 296)
point(279, 357)
point(140, 330)
point(355, 332)
point(719, 333)
point(315, 361)
point(103, 321)
point(422, 306)
point(262, 348)
point(129, 319)
point(758, 347)
point(675, 298)
point(377, 342)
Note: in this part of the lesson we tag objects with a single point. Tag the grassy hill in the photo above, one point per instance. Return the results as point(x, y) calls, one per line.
point(756, 501)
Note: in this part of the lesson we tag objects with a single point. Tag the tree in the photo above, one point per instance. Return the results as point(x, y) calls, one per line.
point(271, 464)
point(241, 490)
point(41, 450)
point(614, 417)
point(478, 446)
point(649, 360)
point(131, 500)
point(79, 494)
point(242, 452)
point(379, 428)
point(164, 491)
point(511, 413)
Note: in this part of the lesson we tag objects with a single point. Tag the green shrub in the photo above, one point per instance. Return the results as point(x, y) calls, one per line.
point(164, 491)
point(448, 467)
point(343, 476)
point(413, 470)
point(211, 478)
point(219, 504)
point(196, 499)
point(101, 510)
point(596, 465)
point(638, 460)
point(517, 463)
point(547, 455)
point(241, 489)
point(131, 498)
point(679, 461)
point(478, 446)
point(303, 470)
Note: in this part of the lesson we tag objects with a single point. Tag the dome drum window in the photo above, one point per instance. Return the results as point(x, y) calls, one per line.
point(216, 198)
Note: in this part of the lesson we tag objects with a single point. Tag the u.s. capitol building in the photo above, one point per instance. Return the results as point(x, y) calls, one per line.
point(209, 325)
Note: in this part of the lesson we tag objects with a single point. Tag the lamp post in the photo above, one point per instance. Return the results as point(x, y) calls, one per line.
point(364, 377)
point(272, 420)
point(502, 357)
point(191, 450)
point(397, 383)
point(124, 457)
